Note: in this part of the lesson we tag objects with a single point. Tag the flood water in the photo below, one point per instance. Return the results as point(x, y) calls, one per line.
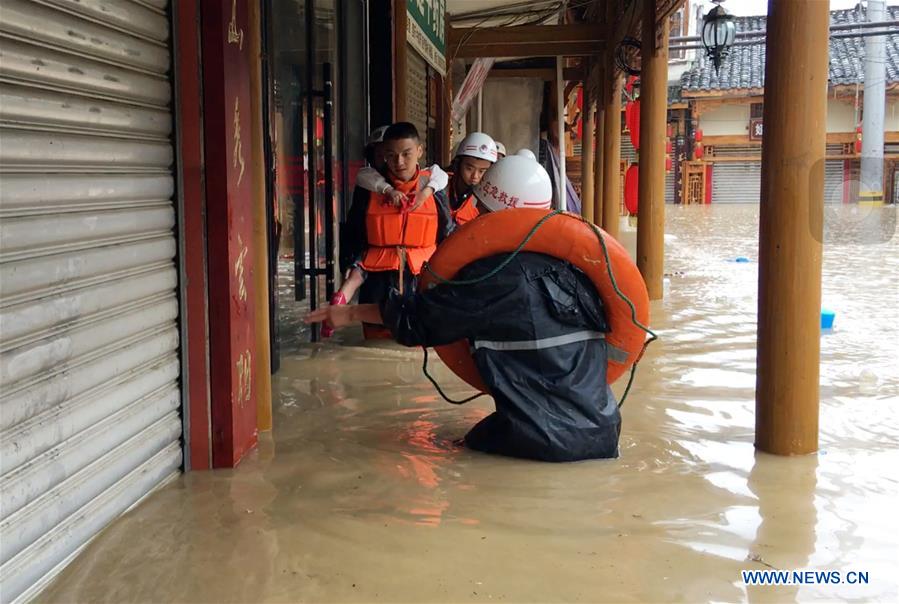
point(360, 496)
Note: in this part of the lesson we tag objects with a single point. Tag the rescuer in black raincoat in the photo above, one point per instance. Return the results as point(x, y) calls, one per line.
point(537, 333)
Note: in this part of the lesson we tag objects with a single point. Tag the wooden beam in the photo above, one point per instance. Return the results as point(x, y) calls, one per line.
point(731, 93)
point(571, 39)
point(575, 74)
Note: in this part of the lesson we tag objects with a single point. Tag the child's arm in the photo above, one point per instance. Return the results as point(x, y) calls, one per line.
point(439, 178)
point(371, 180)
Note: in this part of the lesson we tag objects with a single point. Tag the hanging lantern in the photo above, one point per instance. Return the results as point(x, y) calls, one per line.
point(698, 151)
point(668, 146)
point(858, 139)
point(631, 83)
point(670, 132)
point(718, 34)
point(697, 135)
point(632, 121)
point(668, 163)
point(631, 181)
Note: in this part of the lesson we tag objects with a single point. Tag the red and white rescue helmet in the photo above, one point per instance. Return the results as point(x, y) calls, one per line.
point(477, 145)
point(515, 182)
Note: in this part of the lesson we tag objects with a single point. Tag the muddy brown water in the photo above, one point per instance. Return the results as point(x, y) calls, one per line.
point(360, 496)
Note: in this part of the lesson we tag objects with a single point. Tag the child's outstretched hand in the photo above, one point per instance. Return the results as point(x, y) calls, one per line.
point(396, 198)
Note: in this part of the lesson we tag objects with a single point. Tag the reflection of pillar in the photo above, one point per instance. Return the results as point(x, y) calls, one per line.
point(262, 361)
point(790, 228)
point(587, 126)
point(872, 117)
point(783, 541)
point(653, 127)
point(611, 156)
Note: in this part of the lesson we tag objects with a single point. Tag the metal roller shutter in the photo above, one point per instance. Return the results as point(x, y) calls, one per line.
point(833, 175)
point(417, 94)
point(89, 366)
point(736, 182)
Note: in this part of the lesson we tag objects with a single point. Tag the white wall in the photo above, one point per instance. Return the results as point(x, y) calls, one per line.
point(734, 119)
point(891, 116)
point(840, 116)
point(725, 120)
point(512, 112)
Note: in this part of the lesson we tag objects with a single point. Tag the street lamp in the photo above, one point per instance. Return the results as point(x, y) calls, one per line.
point(718, 34)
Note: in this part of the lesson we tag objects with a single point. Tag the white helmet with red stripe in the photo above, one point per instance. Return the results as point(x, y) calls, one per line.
point(515, 181)
point(479, 146)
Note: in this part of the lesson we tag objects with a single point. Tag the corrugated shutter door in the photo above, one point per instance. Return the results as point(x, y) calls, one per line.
point(736, 182)
point(417, 93)
point(669, 187)
point(89, 366)
point(833, 175)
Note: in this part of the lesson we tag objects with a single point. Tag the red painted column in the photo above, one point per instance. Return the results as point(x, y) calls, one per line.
point(190, 155)
point(229, 221)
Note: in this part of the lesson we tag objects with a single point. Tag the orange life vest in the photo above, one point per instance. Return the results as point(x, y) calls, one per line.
point(394, 233)
point(467, 210)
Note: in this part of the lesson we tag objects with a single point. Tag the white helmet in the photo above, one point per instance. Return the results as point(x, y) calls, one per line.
point(479, 146)
point(527, 153)
point(515, 182)
point(377, 135)
point(500, 148)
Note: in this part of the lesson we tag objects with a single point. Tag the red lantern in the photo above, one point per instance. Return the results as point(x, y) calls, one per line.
point(697, 135)
point(632, 121)
point(698, 151)
point(631, 181)
point(667, 163)
point(668, 145)
point(670, 132)
point(630, 83)
point(858, 139)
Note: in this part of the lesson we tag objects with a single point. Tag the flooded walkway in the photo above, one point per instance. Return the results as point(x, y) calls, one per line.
point(360, 496)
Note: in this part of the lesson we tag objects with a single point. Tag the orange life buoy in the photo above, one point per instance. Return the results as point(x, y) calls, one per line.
point(563, 236)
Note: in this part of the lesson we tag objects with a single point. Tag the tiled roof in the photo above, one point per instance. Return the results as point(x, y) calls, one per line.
point(744, 67)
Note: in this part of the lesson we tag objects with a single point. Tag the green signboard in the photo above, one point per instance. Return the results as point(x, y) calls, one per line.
point(426, 30)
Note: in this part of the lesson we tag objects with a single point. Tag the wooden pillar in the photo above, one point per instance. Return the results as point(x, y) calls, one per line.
point(587, 127)
point(262, 362)
point(611, 157)
point(597, 166)
point(399, 60)
point(229, 225)
point(790, 227)
point(653, 109)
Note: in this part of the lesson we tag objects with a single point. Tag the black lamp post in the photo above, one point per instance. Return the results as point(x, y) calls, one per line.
point(718, 34)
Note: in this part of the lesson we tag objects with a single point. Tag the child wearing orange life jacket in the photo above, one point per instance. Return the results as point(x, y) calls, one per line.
point(474, 155)
point(398, 238)
point(353, 241)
